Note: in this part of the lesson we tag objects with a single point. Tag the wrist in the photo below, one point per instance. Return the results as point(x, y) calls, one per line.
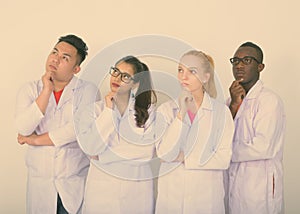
point(179, 116)
point(234, 105)
point(46, 90)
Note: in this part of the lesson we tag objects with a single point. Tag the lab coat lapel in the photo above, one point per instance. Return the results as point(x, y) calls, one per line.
point(206, 105)
point(200, 128)
point(252, 94)
point(68, 92)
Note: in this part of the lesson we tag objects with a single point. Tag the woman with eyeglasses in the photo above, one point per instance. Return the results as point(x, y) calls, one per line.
point(195, 146)
point(117, 133)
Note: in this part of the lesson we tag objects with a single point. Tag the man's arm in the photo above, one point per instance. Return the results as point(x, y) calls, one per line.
point(237, 93)
point(43, 98)
point(35, 140)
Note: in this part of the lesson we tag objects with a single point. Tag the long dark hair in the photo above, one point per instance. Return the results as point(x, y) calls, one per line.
point(145, 95)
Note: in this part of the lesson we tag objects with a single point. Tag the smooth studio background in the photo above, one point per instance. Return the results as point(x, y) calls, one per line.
point(29, 30)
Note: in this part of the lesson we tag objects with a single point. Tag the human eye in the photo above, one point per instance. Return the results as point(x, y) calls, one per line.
point(66, 58)
point(126, 76)
point(180, 70)
point(247, 60)
point(114, 71)
point(54, 52)
point(235, 60)
point(193, 71)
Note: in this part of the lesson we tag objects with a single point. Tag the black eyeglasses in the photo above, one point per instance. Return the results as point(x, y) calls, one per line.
point(125, 77)
point(247, 60)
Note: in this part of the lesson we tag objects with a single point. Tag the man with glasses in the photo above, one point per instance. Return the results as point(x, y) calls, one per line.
point(256, 171)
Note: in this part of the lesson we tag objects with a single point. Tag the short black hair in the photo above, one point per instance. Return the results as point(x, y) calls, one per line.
point(257, 48)
point(78, 43)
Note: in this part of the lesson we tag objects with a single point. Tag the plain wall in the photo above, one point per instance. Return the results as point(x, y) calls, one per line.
point(30, 29)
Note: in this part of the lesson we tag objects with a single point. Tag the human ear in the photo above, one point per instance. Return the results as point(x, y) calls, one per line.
point(261, 67)
point(206, 77)
point(76, 69)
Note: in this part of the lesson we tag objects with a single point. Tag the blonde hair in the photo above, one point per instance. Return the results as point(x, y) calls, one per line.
point(209, 67)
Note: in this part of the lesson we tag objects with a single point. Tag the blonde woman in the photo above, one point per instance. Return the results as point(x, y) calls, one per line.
point(195, 146)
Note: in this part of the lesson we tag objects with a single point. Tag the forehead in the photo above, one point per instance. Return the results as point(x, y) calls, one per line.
point(66, 48)
point(125, 67)
point(191, 61)
point(245, 51)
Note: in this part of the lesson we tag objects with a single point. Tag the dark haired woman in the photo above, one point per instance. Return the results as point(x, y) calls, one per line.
point(117, 133)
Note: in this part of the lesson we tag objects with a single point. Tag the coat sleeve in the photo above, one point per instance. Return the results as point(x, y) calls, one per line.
point(126, 142)
point(27, 114)
point(221, 153)
point(87, 133)
point(66, 133)
point(170, 133)
point(260, 135)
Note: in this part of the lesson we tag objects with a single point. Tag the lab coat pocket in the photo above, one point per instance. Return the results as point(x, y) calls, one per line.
point(38, 161)
point(274, 192)
point(254, 187)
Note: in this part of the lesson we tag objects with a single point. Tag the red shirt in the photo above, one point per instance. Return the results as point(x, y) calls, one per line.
point(57, 95)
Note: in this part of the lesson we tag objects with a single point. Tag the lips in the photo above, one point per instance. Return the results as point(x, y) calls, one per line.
point(183, 84)
point(115, 85)
point(239, 73)
point(53, 67)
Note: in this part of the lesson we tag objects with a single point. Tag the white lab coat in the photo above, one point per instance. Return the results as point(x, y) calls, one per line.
point(256, 172)
point(54, 169)
point(121, 180)
point(195, 186)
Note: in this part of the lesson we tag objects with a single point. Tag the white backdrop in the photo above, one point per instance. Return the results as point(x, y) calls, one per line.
point(31, 28)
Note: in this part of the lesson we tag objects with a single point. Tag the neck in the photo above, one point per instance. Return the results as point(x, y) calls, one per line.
point(59, 85)
point(198, 97)
point(248, 85)
point(121, 102)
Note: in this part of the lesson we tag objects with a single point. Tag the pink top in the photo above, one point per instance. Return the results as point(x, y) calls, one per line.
point(191, 116)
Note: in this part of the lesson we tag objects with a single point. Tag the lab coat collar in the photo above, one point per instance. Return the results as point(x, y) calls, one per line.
point(255, 90)
point(73, 84)
point(252, 94)
point(206, 103)
point(205, 106)
point(67, 94)
point(129, 108)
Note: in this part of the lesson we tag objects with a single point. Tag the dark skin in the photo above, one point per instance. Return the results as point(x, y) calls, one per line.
point(245, 77)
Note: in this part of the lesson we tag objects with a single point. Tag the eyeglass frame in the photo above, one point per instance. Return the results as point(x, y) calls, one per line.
point(242, 60)
point(112, 68)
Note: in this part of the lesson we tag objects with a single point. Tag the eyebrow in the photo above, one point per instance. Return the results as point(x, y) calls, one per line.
point(65, 54)
point(122, 72)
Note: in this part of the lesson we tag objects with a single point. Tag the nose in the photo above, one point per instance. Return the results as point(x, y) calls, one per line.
point(117, 78)
point(240, 64)
point(184, 74)
point(55, 58)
